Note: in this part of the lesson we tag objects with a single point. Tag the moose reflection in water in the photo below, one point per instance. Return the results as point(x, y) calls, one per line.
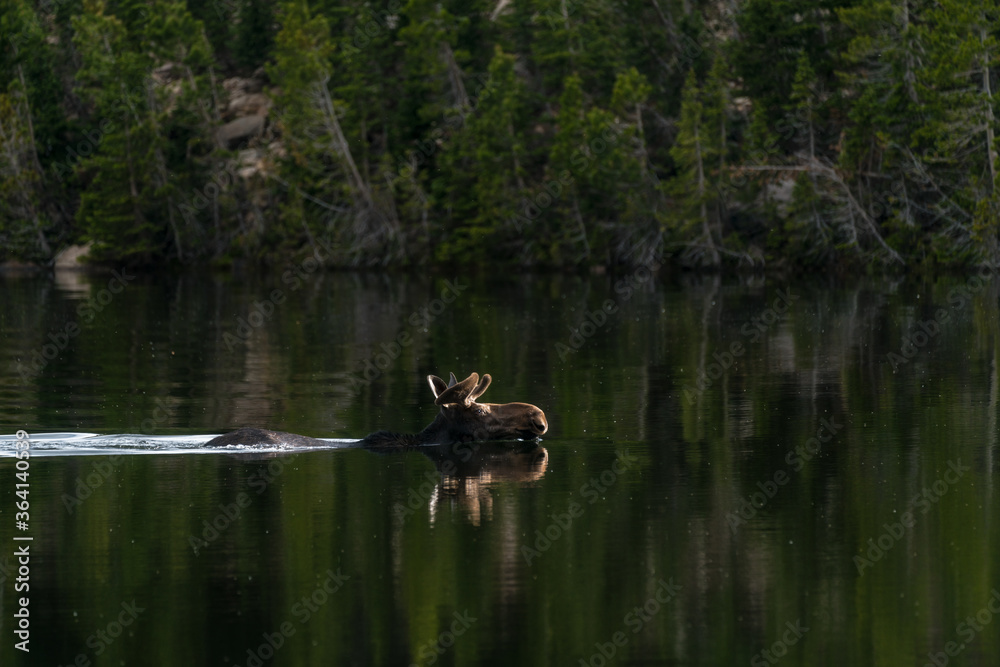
point(468, 471)
point(461, 419)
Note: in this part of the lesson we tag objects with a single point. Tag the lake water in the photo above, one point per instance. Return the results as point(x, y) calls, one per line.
point(737, 471)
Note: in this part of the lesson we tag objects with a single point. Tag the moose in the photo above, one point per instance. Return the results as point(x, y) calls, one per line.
point(461, 419)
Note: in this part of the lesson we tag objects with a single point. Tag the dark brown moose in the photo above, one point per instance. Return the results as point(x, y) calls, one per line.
point(461, 419)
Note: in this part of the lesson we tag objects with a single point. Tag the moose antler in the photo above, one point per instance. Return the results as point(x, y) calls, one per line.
point(465, 392)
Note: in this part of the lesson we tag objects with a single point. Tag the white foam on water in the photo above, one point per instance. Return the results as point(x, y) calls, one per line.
point(82, 444)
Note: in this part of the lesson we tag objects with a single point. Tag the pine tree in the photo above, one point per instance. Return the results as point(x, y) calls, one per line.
point(758, 149)
point(434, 79)
point(492, 139)
point(310, 123)
point(881, 64)
point(628, 98)
point(185, 109)
point(691, 153)
point(363, 67)
point(254, 30)
point(806, 226)
point(924, 118)
point(638, 238)
point(773, 34)
point(117, 178)
point(805, 103)
point(583, 37)
point(962, 123)
point(564, 227)
point(23, 222)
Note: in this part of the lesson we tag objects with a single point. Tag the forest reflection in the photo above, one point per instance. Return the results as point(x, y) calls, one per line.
point(756, 458)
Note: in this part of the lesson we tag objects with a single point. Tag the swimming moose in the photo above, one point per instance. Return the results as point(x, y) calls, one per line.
point(461, 419)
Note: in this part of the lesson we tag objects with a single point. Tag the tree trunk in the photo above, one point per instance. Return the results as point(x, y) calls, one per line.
point(332, 123)
point(990, 148)
point(161, 169)
point(12, 148)
point(32, 151)
point(643, 157)
point(909, 76)
point(133, 188)
point(713, 252)
point(455, 78)
point(517, 161)
point(583, 228)
point(564, 8)
point(667, 21)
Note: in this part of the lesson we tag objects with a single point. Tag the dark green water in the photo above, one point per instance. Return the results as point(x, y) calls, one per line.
point(818, 499)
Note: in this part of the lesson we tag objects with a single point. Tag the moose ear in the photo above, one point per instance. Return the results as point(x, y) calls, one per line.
point(437, 384)
point(453, 380)
point(458, 393)
point(480, 389)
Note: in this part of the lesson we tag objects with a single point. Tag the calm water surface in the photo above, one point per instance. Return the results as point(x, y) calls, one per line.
point(736, 472)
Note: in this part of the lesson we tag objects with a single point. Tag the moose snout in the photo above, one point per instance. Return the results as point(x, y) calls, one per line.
point(538, 424)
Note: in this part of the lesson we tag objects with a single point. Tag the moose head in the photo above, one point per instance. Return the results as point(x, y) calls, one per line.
point(462, 419)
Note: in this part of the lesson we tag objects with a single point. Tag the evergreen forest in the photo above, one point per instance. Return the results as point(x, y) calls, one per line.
point(808, 134)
